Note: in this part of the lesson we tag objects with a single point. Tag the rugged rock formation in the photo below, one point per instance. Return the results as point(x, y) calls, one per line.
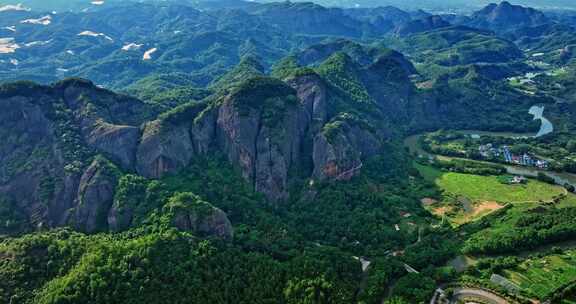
point(260, 128)
point(95, 196)
point(51, 133)
point(188, 212)
point(312, 94)
point(119, 142)
point(340, 149)
point(266, 127)
point(163, 149)
point(30, 160)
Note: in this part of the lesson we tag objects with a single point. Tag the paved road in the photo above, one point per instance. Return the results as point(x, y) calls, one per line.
point(488, 297)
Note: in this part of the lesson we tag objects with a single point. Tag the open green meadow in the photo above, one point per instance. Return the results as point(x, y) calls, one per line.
point(467, 197)
point(489, 188)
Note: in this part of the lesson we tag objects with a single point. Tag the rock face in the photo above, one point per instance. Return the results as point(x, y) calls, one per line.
point(259, 128)
point(163, 149)
point(266, 128)
point(30, 162)
point(311, 92)
point(76, 134)
point(95, 196)
point(262, 134)
point(188, 212)
point(216, 223)
point(338, 154)
point(119, 142)
point(51, 133)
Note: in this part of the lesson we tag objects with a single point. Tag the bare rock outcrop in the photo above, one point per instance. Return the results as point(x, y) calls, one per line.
point(119, 142)
point(95, 196)
point(188, 212)
point(340, 150)
point(163, 149)
point(260, 128)
point(312, 94)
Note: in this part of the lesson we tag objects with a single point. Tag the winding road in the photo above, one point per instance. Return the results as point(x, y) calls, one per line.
point(485, 296)
point(464, 293)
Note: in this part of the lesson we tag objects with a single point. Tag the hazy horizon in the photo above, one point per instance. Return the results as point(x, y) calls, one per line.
point(456, 5)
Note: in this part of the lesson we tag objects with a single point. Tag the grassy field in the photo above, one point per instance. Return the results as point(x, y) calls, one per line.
point(542, 276)
point(487, 188)
point(469, 197)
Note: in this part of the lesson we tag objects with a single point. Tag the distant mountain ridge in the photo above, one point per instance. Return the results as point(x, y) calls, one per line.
point(420, 25)
point(505, 16)
point(461, 5)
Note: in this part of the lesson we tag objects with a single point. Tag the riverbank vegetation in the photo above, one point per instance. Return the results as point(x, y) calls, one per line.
point(556, 152)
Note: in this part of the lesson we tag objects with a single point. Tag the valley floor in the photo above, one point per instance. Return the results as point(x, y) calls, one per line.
point(469, 200)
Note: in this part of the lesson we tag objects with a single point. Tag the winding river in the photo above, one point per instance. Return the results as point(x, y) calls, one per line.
point(561, 178)
point(546, 126)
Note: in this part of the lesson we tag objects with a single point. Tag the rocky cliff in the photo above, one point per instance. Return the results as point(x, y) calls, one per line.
point(188, 212)
point(66, 147)
point(68, 144)
point(95, 196)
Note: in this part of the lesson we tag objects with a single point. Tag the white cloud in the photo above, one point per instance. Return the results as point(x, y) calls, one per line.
point(94, 34)
point(40, 21)
point(148, 54)
point(131, 47)
point(8, 45)
point(11, 7)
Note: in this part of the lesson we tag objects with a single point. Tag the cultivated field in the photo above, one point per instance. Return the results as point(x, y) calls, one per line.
point(468, 197)
point(543, 276)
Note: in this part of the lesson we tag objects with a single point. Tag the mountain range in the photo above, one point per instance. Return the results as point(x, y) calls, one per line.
point(275, 152)
point(199, 46)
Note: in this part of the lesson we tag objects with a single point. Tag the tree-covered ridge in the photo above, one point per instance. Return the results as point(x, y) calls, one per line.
point(343, 73)
point(249, 67)
point(458, 45)
point(157, 267)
